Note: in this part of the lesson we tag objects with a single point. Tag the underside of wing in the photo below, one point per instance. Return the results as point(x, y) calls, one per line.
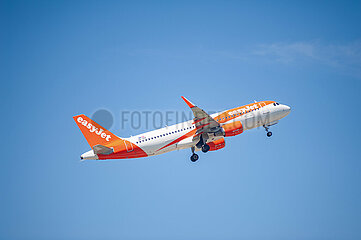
point(202, 120)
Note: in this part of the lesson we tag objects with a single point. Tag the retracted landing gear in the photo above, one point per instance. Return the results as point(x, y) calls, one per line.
point(194, 156)
point(269, 133)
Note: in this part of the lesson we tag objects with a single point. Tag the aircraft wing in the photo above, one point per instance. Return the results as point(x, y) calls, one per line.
point(203, 121)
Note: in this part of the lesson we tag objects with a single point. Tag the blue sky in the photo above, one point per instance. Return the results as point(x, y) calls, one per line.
point(63, 58)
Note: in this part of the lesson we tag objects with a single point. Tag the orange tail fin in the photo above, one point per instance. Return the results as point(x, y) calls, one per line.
point(93, 132)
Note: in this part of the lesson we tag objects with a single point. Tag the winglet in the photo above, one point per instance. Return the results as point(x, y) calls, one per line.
point(191, 105)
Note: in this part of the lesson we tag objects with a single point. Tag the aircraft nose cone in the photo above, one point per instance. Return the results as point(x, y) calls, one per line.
point(283, 110)
point(286, 109)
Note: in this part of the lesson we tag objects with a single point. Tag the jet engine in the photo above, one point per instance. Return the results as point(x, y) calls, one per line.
point(232, 129)
point(217, 144)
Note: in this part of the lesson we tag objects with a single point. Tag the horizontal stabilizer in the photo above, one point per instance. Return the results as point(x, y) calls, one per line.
point(100, 149)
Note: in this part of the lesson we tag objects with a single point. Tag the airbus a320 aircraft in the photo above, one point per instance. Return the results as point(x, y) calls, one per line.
point(205, 132)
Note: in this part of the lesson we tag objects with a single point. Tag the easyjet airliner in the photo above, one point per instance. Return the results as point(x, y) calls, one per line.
point(205, 132)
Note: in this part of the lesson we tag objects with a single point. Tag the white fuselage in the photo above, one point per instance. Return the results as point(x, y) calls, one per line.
point(153, 141)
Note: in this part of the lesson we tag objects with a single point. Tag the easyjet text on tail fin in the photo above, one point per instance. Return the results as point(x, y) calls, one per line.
point(93, 132)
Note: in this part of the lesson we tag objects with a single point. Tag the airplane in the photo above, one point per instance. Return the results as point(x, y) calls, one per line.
point(204, 133)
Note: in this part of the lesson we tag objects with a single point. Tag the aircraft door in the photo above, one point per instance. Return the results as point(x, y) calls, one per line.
point(265, 114)
point(128, 146)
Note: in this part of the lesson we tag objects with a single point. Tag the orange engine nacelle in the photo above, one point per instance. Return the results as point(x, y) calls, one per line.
point(233, 129)
point(216, 145)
